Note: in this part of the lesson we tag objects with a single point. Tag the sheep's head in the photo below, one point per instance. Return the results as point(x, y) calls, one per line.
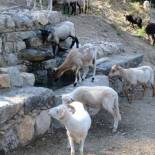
point(51, 35)
point(44, 34)
point(115, 71)
point(66, 99)
point(58, 112)
point(56, 74)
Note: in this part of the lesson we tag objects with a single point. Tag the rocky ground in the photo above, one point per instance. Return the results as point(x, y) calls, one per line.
point(136, 133)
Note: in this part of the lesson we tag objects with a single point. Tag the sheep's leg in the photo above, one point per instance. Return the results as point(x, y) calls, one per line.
point(85, 72)
point(71, 142)
point(76, 77)
point(82, 146)
point(41, 5)
point(144, 89)
point(55, 49)
point(80, 11)
point(132, 88)
point(153, 90)
point(28, 3)
point(64, 7)
point(126, 93)
point(74, 40)
point(87, 6)
point(80, 76)
point(151, 40)
point(73, 6)
point(94, 71)
point(34, 4)
point(114, 111)
point(50, 5)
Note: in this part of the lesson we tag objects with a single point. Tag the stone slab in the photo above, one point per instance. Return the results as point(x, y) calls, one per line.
point(124, 60)
point(28, 98)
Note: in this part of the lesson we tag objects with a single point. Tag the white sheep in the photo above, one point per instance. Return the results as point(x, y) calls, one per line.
point(77, 59)
point(50, 4)
point(77, 123)
point(140, 75)
point(82, 4)
point(147, 6)
point(59, 32)
point(96, 97)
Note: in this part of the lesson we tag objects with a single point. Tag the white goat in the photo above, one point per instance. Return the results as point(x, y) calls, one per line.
point(95, 97)
point(141, 75)
point(50, 4)
point(77, 123)
point(60, 32)
point(77, 59)
point(147, 6)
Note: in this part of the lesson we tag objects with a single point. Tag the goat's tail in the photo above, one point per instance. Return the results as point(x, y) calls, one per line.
point(104, 59)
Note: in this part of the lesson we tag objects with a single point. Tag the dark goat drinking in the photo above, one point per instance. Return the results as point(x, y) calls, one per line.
point(150, 31)
point(134, 20)
point(58, 33)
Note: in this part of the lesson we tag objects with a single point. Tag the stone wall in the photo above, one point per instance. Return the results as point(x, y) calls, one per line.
point(15, 26)
point(24, 115)
point(23, 107)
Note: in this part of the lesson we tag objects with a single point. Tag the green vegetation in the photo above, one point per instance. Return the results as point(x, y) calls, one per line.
point(140, 32)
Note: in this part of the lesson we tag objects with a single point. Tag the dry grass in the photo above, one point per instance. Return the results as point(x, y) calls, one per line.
point(114, 11)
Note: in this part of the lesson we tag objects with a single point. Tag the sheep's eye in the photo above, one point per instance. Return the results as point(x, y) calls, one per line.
point(57, 111)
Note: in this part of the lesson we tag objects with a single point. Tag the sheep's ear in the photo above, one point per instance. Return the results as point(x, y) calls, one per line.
point(117, 66)
point(54, 69)
point(71, 108)
point(61, 112)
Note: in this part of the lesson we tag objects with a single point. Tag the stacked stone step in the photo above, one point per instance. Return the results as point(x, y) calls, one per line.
point(23, 115)
point(12, 77)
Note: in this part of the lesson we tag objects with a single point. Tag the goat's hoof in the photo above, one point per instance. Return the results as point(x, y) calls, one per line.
point(75, 84)
point(114, 130)
point(93, 79)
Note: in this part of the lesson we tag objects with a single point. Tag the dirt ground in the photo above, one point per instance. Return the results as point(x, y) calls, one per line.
point(136, 133)
point(135, 136)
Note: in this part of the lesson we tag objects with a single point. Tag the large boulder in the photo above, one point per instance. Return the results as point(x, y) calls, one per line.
point(23, 115)
point(25, 131)
point(9, 107)
point(5, 81)
point(35, 55)
point(11, 59)
point(9, 141)
point(19, 36)
point(15, 77)
point(43, 122)
point(28, 79)
point(10, 24)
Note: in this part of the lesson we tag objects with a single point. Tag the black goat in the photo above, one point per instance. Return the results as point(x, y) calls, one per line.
point(134, 20)
point(150, 31)
point(59, 33)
